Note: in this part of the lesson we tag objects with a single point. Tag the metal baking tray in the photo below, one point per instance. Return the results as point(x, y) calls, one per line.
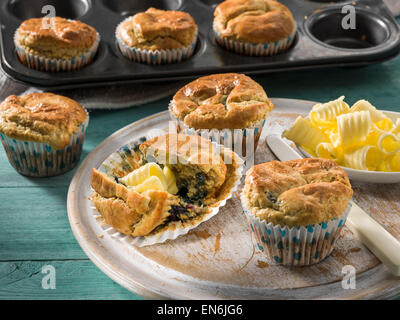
point(320, 42)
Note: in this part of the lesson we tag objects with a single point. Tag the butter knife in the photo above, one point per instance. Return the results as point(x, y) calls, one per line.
point(381, 243)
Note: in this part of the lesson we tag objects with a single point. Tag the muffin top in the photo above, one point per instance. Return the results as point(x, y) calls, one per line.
point(157, 29)
point(297, 192)
point(176, 181)
point(254, 21)
point(41, 117)
point(64, 39)
point(221, 101)
point(185, 148)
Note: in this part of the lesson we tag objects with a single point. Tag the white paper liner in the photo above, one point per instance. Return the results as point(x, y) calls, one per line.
point(155, 56)
point(118, 157)
point(42, 63)
point(37, 159)
point(242, 141)
point(256, 49)
point(295, 246)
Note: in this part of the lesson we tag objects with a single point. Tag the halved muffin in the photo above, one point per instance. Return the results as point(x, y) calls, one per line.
point(173, 181)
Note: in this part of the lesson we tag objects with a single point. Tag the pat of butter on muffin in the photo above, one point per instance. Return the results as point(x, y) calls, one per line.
point(151, 177)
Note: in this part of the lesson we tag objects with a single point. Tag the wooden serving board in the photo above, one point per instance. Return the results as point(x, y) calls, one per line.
point(217, 260)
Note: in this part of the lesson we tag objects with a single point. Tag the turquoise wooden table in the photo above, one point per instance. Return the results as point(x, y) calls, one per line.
point(34, 228)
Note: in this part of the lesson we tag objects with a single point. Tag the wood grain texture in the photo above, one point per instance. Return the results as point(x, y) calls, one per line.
point(218, 259)
point(75, 279)
point(39, 230)
point(103, 97)
point(228, 256)
point(228, 249)
point(378, 83)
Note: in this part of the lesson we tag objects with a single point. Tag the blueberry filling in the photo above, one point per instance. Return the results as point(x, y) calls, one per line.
point(181, 212)
point(201, 179)
point(176, 212)
point(199, 195)
point(182, 193)
point(184, 184)
point(196, 198)
point(271, 197)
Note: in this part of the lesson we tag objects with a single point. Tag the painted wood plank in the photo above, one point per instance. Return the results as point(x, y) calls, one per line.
point(73, 280)
point(34, 225)
point(340, 82)
point(21, 217)
point(10, 178)
point(377, 83)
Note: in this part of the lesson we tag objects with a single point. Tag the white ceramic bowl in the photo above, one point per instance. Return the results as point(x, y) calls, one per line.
point(369, 176)
point(364, 175)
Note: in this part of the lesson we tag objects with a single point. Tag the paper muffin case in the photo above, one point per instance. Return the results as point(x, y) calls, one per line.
point(119, 158)
point(295, 246)
point(155, 56)
point(256, 49)
point(239, 140)
point(42, 63)
point(36, 159)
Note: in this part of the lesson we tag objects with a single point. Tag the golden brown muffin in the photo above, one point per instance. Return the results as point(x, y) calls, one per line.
point(128, 211)
point(192, 156)
point(253, 21)
point(41, 117)
point(203, 180)
point(157, 29)
point(297, 192)
point(220, 101)
point(65, 39)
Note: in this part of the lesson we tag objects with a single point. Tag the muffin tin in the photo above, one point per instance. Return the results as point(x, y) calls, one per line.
point(320, 40)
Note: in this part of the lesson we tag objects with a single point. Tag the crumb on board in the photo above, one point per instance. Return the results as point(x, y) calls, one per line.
point(100, 236)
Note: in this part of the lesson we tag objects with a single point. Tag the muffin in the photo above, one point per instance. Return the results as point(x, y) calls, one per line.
point(229, 108)
point(296, 208)
point(55, 44)
point(157, 36)
point(165, 186)
point(254, 27)
point(42, 133)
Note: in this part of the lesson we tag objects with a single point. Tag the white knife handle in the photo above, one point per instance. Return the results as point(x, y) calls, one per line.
point(382, 244)
point(282, 150)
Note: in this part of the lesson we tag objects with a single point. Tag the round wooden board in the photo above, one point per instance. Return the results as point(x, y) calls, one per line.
point(217, 260)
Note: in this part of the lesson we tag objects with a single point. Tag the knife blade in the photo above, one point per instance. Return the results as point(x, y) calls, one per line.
point(379, 241)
